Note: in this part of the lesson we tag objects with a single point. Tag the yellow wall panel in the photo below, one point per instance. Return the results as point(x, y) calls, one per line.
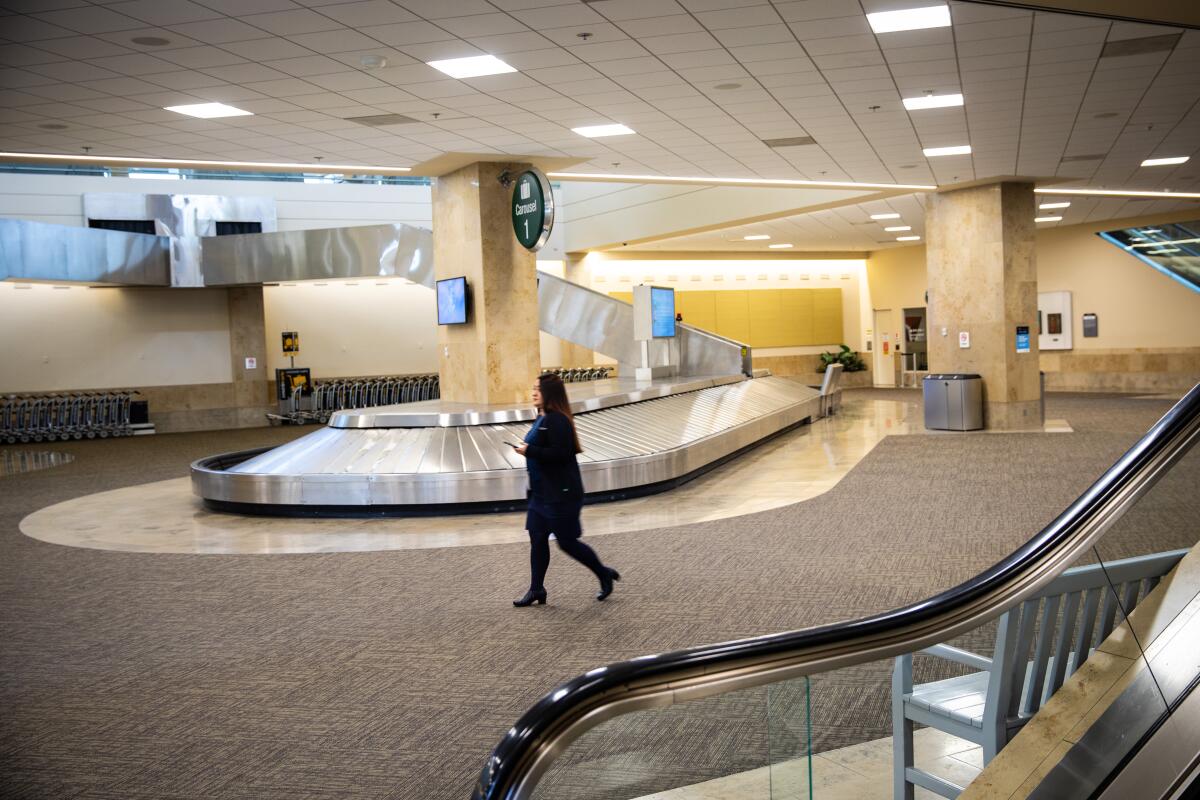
point(733, 314)
point(763, 317)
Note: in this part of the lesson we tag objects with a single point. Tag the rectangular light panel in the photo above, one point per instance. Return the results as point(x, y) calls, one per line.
point(1047, 219)
point(908, 238)
point(778, 246)
point(756, 237)
point(933, 101)
point(209, 110)
point(897, 228)
point(885, 216)
point(471, 67)
point(910, 19)
point(1048, 206)
point(959, 150)
point(596, 131)
point(1163, 162)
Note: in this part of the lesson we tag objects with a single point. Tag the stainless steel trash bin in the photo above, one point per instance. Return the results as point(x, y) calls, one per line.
point(953, 402)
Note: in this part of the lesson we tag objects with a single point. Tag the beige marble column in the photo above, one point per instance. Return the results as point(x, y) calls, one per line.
point(247, 339)
point(494, 358)
point(576, 271)
point(982, 277)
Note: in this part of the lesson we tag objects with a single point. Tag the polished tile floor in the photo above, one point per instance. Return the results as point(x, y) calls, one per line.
point(164, 517)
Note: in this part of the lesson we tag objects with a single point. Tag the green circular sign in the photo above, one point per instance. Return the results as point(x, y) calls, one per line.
point(532, 209)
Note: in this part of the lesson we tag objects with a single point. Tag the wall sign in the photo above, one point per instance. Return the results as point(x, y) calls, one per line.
point(532, 209)
point(964, 339)
point(1022, 338)
point(291, 343)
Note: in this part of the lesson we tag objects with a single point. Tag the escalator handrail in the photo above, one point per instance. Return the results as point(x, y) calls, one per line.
point(544, 731)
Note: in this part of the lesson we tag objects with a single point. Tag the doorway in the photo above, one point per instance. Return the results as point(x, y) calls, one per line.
point(884, 349)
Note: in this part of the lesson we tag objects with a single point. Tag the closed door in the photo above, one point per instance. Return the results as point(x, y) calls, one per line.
point(884, 349)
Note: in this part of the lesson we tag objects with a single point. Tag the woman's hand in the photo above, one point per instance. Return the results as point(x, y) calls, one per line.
point(521, 450)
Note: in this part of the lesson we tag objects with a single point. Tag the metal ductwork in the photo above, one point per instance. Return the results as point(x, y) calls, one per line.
point(40, 251)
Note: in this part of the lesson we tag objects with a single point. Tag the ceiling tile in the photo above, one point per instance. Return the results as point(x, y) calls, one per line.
point(439, 9)
point(134, 64)
point(336, 41)
point(156, 12)
point(89, 19)
point(482, 25)
point(289, 88)
point(290, 23)
point(183, 80)
point(341, 81)
point(219, 31)
point(368, 14)
point(436, 51)
point(72, 71)
point(29, 29)
point(308, 65)
point(268, 49)
point(636, 9)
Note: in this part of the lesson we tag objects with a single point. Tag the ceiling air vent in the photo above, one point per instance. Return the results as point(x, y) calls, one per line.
point(1139, 47)
point(791, 141)
point(380, 120)
point(1088, 157)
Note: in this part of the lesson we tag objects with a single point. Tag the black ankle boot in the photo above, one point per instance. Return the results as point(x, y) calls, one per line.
point(530, 598)
point(606, 583)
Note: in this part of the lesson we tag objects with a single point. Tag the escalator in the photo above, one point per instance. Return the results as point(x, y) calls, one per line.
point(806, 713)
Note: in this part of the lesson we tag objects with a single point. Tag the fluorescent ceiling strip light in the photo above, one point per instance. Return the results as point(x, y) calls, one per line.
point(1161, 244)
point(1047, 219)
point(1151, 230)
point(1048, 206)
point(957, 150)
point(1119, 193)
point(885, 216)
point(596, 131)
point(907, 238)
point(933, 101)
point(910, 19)
point(471, 67)
point(1164, 162)
point(778, 246)
point(618, 178)
point(897, 228)
point(1162, 252)
point(362, 169)
point(756, 237)
point(209, 110)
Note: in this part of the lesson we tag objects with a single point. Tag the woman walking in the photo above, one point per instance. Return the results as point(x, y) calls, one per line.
point(555, 491)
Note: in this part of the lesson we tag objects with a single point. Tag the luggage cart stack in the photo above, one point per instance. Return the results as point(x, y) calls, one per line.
point(59, 417)
point(331, 396)
point(581, 374)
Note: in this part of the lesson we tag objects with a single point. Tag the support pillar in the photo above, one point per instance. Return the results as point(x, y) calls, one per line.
point(493, 358)
point(247, 339)
point(982, 274)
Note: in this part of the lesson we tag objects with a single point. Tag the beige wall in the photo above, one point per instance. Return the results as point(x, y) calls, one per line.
point(1149, 324)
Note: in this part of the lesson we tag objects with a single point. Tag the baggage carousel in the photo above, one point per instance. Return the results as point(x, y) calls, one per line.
point(438, 458)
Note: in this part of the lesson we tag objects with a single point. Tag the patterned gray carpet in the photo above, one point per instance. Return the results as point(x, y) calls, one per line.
point(392, 674)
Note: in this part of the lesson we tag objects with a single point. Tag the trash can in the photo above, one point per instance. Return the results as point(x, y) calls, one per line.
point(953, 402)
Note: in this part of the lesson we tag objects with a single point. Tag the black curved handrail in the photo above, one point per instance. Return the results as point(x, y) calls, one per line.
point(514, 758)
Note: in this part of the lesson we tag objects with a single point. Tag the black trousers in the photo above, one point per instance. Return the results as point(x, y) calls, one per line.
point(566, 532)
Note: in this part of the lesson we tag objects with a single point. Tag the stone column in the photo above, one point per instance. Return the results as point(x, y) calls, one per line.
point(247, 339)
point(982, 274)
point(573, 355)
point(494, 357)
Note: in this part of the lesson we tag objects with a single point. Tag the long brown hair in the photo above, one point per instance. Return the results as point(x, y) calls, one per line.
point(554, 398)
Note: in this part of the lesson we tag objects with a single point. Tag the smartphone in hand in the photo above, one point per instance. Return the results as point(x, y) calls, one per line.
point(514, 445)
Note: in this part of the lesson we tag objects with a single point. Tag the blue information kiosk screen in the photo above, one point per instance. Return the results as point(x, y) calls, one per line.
point(662, 312)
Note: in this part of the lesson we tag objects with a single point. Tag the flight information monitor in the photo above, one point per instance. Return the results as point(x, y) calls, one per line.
point(662, 311)
point(452, 301)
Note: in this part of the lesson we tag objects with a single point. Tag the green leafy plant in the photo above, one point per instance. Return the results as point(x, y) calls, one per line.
point(849, 359)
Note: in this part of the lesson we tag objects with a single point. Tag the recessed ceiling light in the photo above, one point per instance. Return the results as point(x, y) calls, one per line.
point(779, 246)
point(727, 86)
point(958, 150)
point(897, 228)
point(1163, 162)
point(1047, 219)
point(373, 61)
point(150, 41)
point(907, 238)
point(910, 19)
point(595, 131)
point(885, 216)
point(933, 101)
point(471, 67)
point(1048, 206)
point(756, 237)
point(209, 110)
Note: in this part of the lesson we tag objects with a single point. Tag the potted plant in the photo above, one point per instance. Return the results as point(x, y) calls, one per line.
point(849, 359)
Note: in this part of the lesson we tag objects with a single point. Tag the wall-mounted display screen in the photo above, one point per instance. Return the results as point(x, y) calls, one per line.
point(662, 311)
point(452, 301)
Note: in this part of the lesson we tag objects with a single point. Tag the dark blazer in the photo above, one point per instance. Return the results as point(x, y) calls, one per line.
point(555, 487)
